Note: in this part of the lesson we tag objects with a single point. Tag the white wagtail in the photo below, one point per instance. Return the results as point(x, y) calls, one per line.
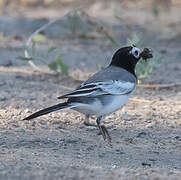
point(106, 91)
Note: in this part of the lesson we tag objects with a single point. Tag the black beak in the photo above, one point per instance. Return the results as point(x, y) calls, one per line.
point(146, 54)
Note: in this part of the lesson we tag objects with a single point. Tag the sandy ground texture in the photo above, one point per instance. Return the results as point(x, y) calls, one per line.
point(146, 133)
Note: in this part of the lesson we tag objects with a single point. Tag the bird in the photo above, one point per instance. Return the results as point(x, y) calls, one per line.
point(106, 91)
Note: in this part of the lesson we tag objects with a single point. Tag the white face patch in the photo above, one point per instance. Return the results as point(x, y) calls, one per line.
point(135, 52)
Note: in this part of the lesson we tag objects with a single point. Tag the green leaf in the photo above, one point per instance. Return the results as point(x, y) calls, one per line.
point(39, 38)
point(25, 58)
point(33, 48)
point(62, 66)
point(53, 66)
point(51, 49)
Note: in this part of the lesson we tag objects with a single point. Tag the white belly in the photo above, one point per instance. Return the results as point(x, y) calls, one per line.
point(117, 103)
point(103, 107)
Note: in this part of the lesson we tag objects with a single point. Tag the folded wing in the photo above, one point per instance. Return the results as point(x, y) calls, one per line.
point(112, 87)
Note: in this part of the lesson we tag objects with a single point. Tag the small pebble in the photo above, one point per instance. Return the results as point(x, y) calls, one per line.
point(146, 164)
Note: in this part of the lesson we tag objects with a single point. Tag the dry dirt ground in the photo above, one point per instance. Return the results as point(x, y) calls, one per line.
point(146, 133)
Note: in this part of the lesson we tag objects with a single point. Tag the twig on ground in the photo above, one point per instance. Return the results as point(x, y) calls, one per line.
point(66, 88)
point(159, 86)
point(21, 70)
point(146, 86)
point(141, 100)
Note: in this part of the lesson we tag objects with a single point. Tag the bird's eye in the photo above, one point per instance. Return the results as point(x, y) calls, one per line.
point(136, 53)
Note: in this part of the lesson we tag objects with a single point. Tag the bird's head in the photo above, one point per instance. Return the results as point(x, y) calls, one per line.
point(127, 57)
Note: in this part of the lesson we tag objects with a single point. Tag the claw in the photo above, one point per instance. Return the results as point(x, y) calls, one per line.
point(108, 137)
point(103, 131)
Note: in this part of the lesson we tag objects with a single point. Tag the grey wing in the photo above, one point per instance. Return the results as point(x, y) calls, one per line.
point(102, 88)
point(111, 80)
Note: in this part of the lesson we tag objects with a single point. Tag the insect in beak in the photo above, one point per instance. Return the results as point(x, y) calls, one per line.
point(146, 54)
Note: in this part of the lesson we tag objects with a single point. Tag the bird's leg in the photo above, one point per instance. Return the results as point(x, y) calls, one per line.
point(87, 122)
point(103, 129)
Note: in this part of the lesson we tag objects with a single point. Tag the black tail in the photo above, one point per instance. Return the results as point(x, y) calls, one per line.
point(48, 110)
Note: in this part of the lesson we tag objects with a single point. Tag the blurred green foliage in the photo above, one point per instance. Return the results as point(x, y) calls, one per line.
point(79, 20)
point(155, 9)
point(39, 38)
point(56, 65)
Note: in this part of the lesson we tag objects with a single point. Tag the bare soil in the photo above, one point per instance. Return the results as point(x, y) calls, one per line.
point(146, 133)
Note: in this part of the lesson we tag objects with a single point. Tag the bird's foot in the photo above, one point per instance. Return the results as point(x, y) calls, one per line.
point(103, 131)
point(105, 134)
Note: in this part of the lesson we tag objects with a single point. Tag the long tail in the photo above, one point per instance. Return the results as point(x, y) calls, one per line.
point(48, 110)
